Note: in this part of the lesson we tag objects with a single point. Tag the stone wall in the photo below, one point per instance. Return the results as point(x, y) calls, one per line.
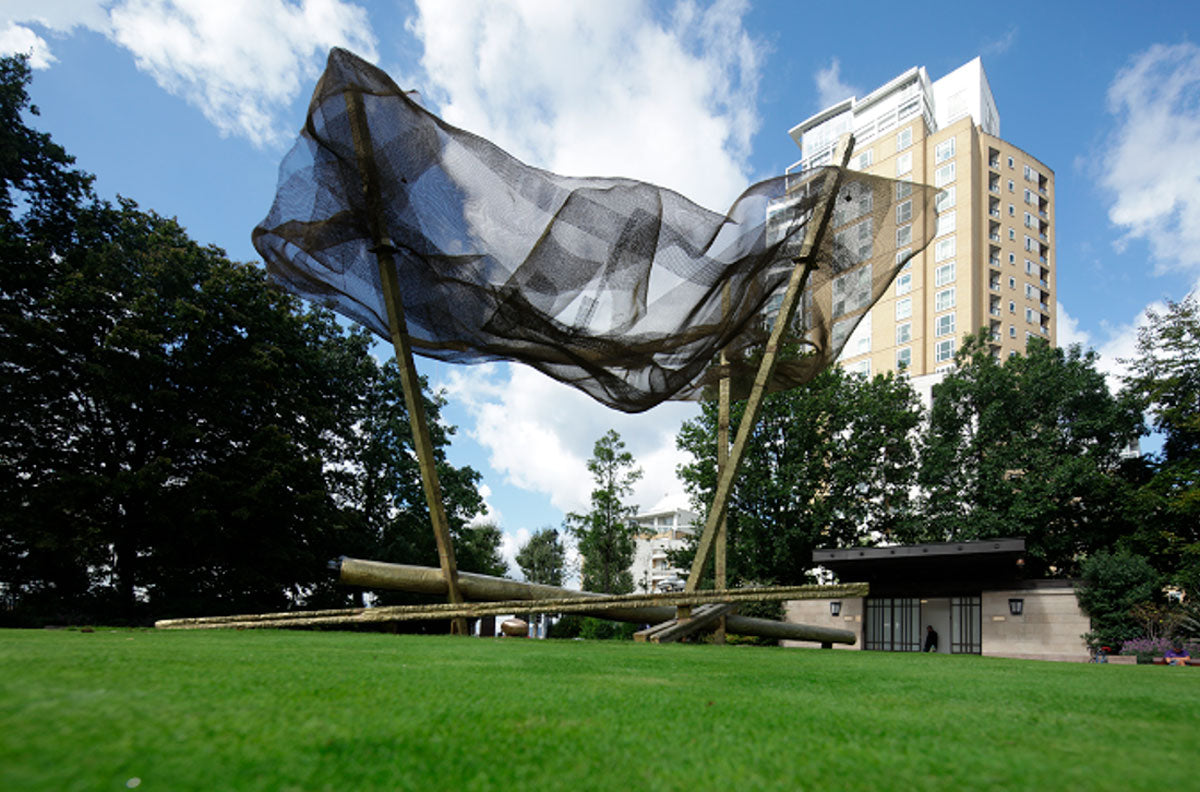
point(1050, 628)
point(816, 613)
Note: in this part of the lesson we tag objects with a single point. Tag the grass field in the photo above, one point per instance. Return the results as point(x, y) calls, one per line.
point(312, 711)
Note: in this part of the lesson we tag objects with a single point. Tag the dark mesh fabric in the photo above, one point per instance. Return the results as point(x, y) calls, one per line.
point(611, 285)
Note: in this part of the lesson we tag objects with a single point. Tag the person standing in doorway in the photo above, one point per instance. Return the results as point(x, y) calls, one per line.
point(931, 639)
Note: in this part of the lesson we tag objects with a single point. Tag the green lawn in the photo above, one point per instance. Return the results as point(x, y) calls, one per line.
point(313, 711)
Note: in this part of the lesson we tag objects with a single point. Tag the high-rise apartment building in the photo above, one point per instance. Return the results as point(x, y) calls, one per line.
point(991, 262)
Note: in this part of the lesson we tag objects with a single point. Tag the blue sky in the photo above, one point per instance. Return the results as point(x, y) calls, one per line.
point(187, 106)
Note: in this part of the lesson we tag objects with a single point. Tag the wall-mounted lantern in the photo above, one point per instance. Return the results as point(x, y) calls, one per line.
point(1016, 606)
point(835, 608)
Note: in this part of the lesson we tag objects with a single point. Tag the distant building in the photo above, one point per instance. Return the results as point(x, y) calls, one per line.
point(973, 594)
point(991, 263)
point(665, 527)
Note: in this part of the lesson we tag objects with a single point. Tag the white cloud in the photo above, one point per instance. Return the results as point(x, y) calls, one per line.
point(539, 434)
point(510, 543)
point(1153, 165)
point(601, 88)
point(1118, 341)
point(999, 46)
point(19, 40)
point(239, 63)
point(830, 88)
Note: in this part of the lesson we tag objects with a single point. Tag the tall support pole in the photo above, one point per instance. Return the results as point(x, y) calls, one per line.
point(804, 265)
point(410, 382)
point(723, 399)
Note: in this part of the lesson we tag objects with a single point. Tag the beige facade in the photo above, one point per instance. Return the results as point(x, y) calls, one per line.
point(991, 263)
point(1050, 626)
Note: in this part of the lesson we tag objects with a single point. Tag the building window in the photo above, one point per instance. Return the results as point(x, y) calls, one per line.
point(1029, 315)
point(903, 139)
point(1028, 196)
point(943, 350)
point(1012, 307)
point(944, 300)
point(892, 624)
point(1012, 211)
point(1012, 331)
point(903, 189)
point(1012, 258)
point(1012, 235)
point(903, 308)
point(944, 151)
point(903, 235)
point(1030, 174)
point(904, 283)
point(903, 333)
point(944, 249)
point(904, 213)
point(944, 175)
point(944, 325)
point(1028, 267)
point(1028, 291)
point(1010, 162)
point(904, 255)
point(903, 358)
point(1012, 187)
point(946, 222)
point(852, 290)
point(864, 160)
point(1012, 282)
point(862, 368)
point(965, 625)
point(944, 199)
point(944, 274)
point(1029, 244)
point(904, 163)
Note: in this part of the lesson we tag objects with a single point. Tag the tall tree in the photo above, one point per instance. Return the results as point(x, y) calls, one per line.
point(1030, 446)
point(606, 537)
point(1165, 377)
point(543, 558)
point(829, 464)
point(176, 436)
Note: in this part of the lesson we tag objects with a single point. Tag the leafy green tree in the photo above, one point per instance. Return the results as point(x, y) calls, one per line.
point(177, 437)
point(1110, 586)
point(1165, 377)
point(543, 558)
point(477, 549)
point(1029, 447)
point(829, 464)
point(606, 537)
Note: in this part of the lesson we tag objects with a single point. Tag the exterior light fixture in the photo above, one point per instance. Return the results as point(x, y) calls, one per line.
point(835, 608)
point(1016, 606)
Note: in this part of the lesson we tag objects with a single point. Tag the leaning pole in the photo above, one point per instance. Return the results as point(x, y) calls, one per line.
point(427, 580)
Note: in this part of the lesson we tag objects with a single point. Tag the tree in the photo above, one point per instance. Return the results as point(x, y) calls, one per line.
point(1111, 585)
point(1028, 447)
point(1165, 378)
point(606, 538)
point(829, 464)
point(543, 558)
point(178, 437)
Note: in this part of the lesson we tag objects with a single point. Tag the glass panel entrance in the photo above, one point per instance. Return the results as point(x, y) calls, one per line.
point(965, 625)
point(893, 624)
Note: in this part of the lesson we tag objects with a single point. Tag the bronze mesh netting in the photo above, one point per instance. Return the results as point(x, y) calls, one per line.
point(611, 285)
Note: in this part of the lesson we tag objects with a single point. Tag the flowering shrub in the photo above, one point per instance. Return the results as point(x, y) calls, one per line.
point(1146, 648)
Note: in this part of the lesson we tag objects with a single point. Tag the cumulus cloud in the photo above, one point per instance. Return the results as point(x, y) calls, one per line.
point(19, 40)
point(1116, 341)
point(601, 88)
point(239, 63)
point(830, 88)
point(539, 434)
point(1152, 168)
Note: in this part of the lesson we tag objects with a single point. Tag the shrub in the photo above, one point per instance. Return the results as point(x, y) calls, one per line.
point(1111, 585)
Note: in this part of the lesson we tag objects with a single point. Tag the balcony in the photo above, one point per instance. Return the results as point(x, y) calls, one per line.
point(1045, 308)
point(994, 237)
point(994, 212)
point(995, 311)
point(994, 286)
point(1043, 260)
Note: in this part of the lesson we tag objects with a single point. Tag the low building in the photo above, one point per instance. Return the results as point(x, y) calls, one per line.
point(973, 595)
point(665, 527)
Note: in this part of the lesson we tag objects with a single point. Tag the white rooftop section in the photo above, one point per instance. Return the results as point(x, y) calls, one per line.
point(962, 92)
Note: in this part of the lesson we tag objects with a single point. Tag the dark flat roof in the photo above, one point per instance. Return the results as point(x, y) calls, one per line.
point(929, 569)
point(962, 549)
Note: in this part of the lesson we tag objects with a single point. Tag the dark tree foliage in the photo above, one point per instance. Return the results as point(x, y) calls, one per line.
point(1165, 377)
point(606, 537)
point(1028, 447)
point(1110, 585)
point(829, 464)
point(543, 558)
point(177, 438)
